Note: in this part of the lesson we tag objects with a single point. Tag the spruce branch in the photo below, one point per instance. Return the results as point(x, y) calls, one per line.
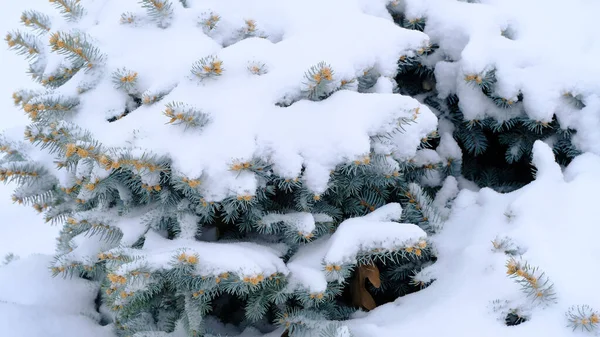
point(348, 84)
point(58, 77)
point(536, 126)
point(485, 81)
point(414, 24)
point(319, 83)
point(154, 95)
point(535, 284)
point(10, 151)
point(257, 306)
point(125, 80)
point(151, 298)
point(22, 97)
point(504, 125)
point(77, 48)
point(427, 49)
point(421, 210)
point(422, 279)
point(128, 18)
point(256, 166)
point(49, 108)
point(208, 67)
point(473, 138)
point(182, 114)
point(250, 29)
point(41, 194)
point(573, 99)
point(208, 21)
point(428, 139)
point(24, 44)
point(39, 22)
point(257, 68)
point(368, 79)
point(507, 246)
point(583, 317)
point(504, 103)
point(22, 173)
point(10, 257)
point(406, 64)
point(70, 9)
point(161, 11)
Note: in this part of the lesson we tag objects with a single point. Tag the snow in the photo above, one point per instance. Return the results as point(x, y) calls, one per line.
point(306, 266)
point(33, 303)
point(17, 225)
point(445, 195)
point(240, 258)
point(303, 223)
point(251, 125)
point(553, 50)
point(353, 236)
point(549, 219)
point(448, 148)
point(357, 235)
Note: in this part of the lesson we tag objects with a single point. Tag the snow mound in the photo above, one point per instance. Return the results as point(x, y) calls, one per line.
point(33, 303)
point(240, 258)
point(375, 231)
point(546, 224)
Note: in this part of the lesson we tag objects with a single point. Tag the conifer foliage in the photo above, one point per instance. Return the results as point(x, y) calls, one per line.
point(487, 117)
point(184, 210)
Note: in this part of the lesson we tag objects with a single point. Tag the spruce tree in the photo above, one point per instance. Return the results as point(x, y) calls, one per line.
point(493, 124)
point(191, 208)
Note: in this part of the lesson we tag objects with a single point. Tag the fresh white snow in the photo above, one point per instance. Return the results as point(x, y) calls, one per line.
point(33, 303)
point(552, 220)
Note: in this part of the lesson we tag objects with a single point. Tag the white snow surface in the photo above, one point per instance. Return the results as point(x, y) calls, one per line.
point(306, 266)
point(33, 303)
